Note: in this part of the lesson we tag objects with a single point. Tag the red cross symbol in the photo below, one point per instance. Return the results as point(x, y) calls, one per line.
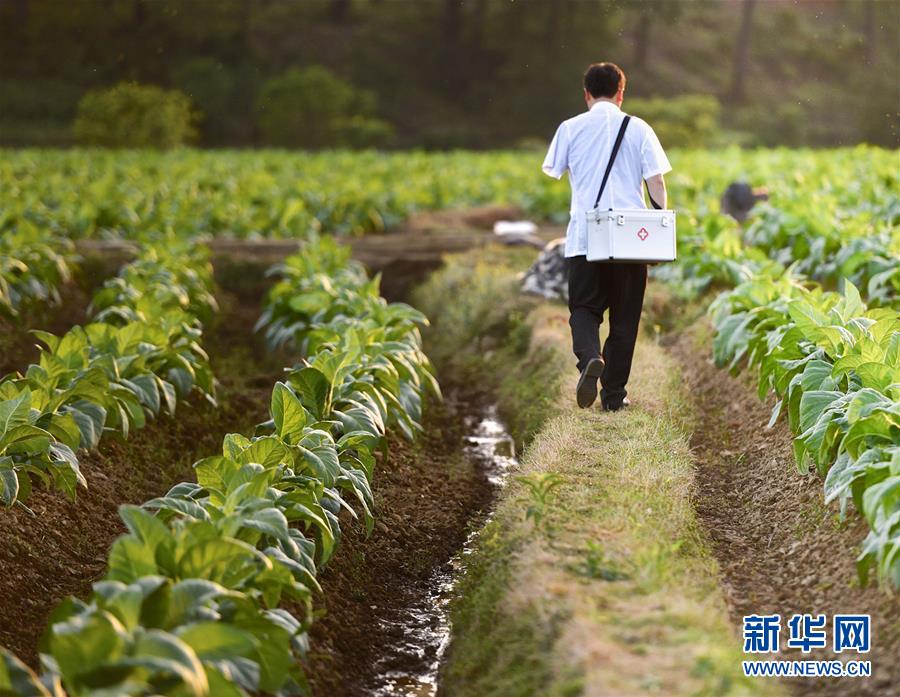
point(643, 234)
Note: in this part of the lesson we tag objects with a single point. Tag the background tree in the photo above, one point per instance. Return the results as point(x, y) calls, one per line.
point(461, 73)
point(742, 52)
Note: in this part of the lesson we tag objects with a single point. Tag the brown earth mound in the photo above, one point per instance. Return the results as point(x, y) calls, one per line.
point(780, 549)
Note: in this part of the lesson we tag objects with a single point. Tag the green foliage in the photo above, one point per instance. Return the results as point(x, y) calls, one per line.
point(437, 69)
point(139, 356)
point(314, 108)
point(689, 121)
point(841, 195)
point(34, 266)
point(833, 216)
point(542, 490)
point(835, 366)
point(190, 601)
point(597, 563)
point(130, 115)
point(210, 85)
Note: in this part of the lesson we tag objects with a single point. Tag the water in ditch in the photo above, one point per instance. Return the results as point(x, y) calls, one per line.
point(421, 633)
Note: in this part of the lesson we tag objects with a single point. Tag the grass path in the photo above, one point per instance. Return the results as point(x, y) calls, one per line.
point(609, 587)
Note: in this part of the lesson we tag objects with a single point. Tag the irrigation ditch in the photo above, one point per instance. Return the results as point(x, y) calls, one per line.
point(385, 624)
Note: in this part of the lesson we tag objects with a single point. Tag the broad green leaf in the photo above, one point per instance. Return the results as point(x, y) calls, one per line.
point(163, 652)
point(216, 640)
point(288, 412)
point(85, 642)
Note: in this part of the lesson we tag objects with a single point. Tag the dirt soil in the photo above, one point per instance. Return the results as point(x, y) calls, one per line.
point(61, 549)
point(779, 547)
point(18, 347)
point(426, 495)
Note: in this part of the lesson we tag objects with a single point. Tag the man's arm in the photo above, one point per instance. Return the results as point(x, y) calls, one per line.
point(557, 161)
point(656, 187)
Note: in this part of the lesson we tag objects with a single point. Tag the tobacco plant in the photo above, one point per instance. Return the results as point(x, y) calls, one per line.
point(834, 365)
point(190, 604)
point(33, 267)
point(135, 360)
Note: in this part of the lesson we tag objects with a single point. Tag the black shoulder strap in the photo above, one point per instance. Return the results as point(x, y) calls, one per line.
point(612, 158)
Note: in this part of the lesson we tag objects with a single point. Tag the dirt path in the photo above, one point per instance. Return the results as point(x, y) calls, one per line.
point(779, 548)
point(426, 494)
point(62, 549)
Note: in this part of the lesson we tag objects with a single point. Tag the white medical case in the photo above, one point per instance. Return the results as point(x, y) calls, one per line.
point(635, 235)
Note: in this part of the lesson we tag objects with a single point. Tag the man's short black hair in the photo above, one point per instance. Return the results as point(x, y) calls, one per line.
point(603, 79)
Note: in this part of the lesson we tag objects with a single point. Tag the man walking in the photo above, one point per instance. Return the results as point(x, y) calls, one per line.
point(582, 147)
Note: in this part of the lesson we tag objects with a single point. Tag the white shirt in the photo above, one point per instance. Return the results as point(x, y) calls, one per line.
point(582, 146)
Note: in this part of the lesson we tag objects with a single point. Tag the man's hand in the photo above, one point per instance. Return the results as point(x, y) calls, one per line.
point(656, 187)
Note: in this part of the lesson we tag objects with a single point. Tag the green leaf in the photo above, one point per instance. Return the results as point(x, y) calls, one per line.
point(9, 486)
point(267, 451)
point(216, 640)
point(90, 419)
point(129, 560)
point(314, 390)
point(163, 652)
point(14, 412)
point(813, 404)
point(190, 595)
point(167, 390)
point(144, 526)
point(288, 413)
point(271, 522)
point(876, 375)
point(220, 560)
point(65, 429)
point(84, 642)
point(18, 679)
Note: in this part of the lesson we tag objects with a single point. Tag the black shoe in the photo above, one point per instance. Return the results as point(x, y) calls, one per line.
point(586, 391)
point(617, 407)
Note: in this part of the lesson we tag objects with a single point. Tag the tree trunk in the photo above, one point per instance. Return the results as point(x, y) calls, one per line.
point(338, 10)
point(21, 14)
point(551, 24)
point(869, 32)
point(479, 17)
point(642, 38)
point(139, 15)
point(452, 21)
point(451, 30)
point(742, 52)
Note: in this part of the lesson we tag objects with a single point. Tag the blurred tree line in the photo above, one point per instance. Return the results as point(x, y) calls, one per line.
point(450, 73)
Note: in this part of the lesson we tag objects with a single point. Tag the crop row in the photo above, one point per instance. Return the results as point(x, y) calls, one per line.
point(716, 252)
point(33, 268)
point(210, 591)
point(139, 355)
point(838, 195)
point(834, 365)
point(255, 194)
point(831, 359)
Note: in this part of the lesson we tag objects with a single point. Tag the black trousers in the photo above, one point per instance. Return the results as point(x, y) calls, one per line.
point(595, 287)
